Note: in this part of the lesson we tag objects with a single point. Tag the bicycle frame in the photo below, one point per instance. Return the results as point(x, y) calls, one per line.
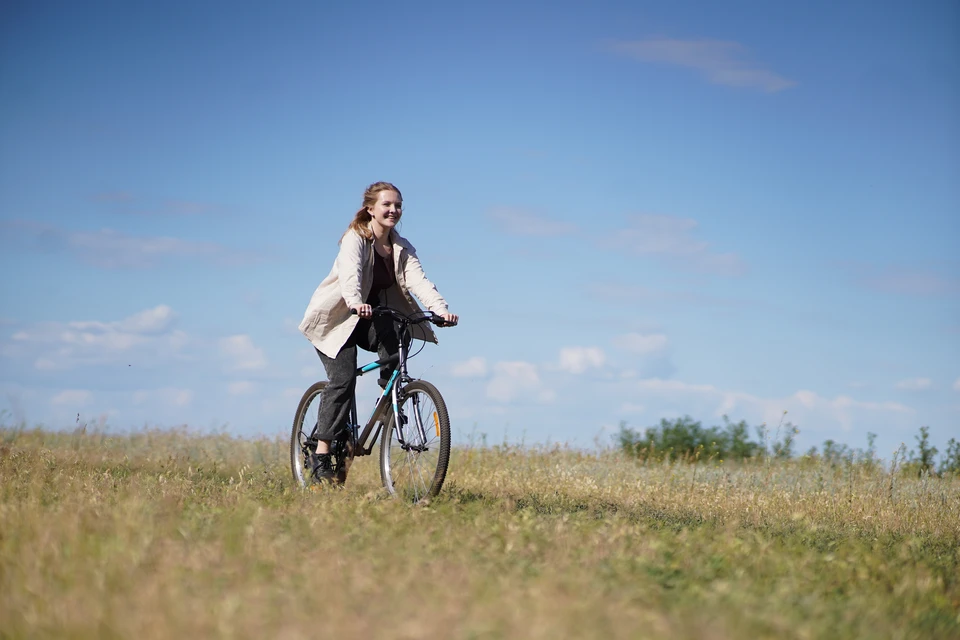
point(365, 440)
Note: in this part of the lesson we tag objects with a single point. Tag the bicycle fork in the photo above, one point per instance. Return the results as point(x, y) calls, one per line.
point(421, 432)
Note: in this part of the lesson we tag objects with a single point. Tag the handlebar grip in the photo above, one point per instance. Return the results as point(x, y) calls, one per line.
point(440, 322)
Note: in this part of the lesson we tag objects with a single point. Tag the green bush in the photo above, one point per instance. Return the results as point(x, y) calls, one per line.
point(685, 438)
point(950, 463)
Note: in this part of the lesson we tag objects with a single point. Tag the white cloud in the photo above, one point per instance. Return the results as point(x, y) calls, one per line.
point(915, 384)
point(59, 346)
point(642, 344)
point(720, 62)
point(579, 359)
point(241, 388)
point(672, 238)
point(810, 404)
point(805, 408)
point(519, 222)
point(475, 367)
point(517, 381)
point(846, 402)
point(150, 321)
point(806, 398)
point(242, 354)
point(72, 397)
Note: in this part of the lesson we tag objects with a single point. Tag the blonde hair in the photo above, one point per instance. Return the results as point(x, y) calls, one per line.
point(361, 221)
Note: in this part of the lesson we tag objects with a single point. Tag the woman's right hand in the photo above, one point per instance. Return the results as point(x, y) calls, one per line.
point(363, 310)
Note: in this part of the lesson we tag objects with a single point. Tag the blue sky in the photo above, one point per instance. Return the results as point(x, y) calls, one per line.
point(638, 211)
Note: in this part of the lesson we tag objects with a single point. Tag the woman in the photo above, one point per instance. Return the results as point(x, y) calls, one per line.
point(375, 266)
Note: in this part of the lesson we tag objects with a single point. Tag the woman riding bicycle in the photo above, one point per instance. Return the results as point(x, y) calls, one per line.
point(375, 266)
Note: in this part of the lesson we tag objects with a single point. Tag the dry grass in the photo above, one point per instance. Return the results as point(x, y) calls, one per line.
point(172, 534)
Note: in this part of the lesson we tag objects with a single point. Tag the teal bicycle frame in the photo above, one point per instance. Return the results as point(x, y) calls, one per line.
point(365, 440)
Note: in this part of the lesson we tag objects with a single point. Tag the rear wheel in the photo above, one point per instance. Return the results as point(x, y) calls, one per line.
point(415, 449)
point(303, 441)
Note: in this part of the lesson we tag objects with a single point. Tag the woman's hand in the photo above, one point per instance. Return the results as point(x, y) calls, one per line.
point(451, 318)
point(363, 310)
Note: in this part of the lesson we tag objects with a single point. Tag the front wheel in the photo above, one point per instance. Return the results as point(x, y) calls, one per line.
point(415, 447)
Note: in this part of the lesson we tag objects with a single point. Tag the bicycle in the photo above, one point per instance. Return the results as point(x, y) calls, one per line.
point(413, 456)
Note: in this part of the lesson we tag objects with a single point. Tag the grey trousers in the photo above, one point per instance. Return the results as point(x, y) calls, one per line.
point(377, 334)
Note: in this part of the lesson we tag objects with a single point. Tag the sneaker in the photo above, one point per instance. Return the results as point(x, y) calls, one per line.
point(322, 468)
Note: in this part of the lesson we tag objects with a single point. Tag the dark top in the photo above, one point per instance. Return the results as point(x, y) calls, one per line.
point(383, 277)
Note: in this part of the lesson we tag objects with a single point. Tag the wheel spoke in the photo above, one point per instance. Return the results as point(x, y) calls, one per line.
point(413, 459)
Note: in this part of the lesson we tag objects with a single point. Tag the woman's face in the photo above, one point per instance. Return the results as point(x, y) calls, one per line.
point(386, 211)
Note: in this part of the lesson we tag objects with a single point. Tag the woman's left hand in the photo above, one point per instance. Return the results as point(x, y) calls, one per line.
point(450, 318)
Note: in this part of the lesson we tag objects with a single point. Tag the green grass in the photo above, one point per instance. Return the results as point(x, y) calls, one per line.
point(171, 534)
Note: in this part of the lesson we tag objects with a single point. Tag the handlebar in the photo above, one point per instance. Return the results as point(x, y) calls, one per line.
point(423, 316)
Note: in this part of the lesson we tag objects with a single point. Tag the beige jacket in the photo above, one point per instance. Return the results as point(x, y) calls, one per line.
point(328, 321)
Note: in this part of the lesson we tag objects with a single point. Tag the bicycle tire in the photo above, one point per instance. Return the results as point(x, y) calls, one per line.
point(298, 438)
point(415, 470)
point(341, 449)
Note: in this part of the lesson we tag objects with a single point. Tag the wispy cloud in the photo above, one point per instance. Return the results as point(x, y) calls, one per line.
point(241, 388)
point(642, 344)
point(169, 396)
point(658, 385)
point(915, 384)
point(811, 399)
point(520, 222)
point(660, 297)
point(124, 202)
point(72, 397)
point(111, 249)
point(806, 408)
point(475, 367)
point(632, 407)
point(648, 354)
point(720, 62)
point(241, 354)
point(904, 280)
point(517, 380)
point(674, 239)
point(188, 208)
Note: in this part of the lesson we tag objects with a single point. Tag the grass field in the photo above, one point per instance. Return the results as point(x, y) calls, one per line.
point(170, 534)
